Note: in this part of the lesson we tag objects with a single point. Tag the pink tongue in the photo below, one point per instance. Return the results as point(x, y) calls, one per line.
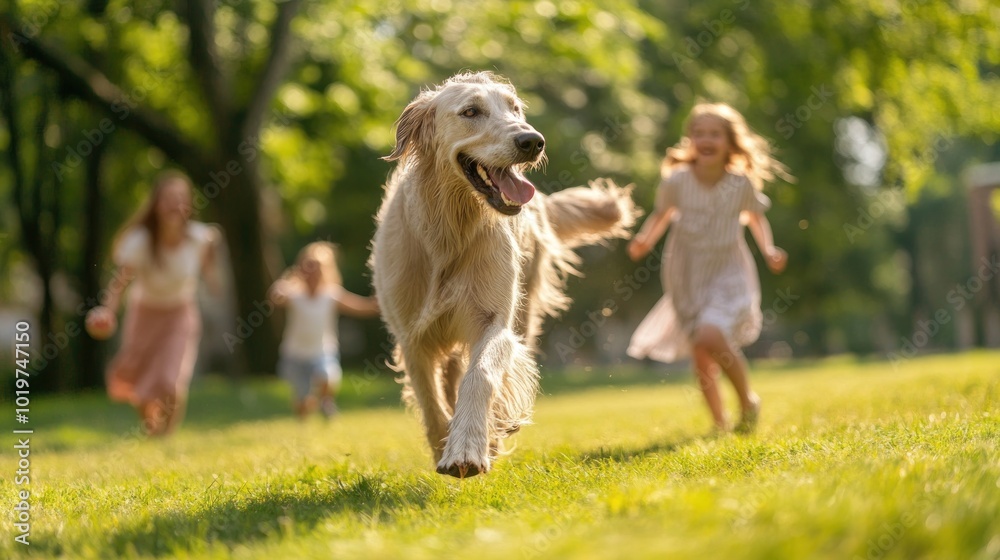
point(513, 185)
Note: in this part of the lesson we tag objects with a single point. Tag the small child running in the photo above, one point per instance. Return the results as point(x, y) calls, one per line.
point(312, 294)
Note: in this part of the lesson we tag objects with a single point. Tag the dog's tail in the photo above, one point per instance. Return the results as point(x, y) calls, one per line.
point(586, 215)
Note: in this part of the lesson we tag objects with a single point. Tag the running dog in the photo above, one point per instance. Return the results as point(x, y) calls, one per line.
point(468, 259)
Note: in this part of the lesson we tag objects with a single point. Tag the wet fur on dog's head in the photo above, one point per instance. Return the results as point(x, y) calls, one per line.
point(472, 128)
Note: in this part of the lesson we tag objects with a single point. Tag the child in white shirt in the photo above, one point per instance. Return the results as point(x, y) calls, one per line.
point(312, 294)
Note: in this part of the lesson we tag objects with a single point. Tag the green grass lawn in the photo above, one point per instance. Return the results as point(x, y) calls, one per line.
point(852, 460)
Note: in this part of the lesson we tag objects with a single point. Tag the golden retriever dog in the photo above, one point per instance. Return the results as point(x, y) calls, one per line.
point(468, 258)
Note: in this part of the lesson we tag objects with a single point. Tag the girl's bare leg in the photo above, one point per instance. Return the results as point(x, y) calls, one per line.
point(706, 371)
point(173, 412)
point(733, 363)
point(302, 408)
point(153, 417)
point(327, 399)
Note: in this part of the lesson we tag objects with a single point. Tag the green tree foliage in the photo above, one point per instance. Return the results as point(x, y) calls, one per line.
point(876, 107)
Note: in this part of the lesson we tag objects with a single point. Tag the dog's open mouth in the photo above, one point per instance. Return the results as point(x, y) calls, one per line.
point(505, 189)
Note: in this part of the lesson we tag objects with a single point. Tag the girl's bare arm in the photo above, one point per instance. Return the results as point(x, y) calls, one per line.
point(120, 280)
point(357, 306)
point(652, 230)
point(278, 292)
point(656, 224)
point(209, 270)
point(760, 229)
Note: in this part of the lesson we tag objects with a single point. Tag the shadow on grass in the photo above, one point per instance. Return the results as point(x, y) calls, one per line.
point(625, 455)
point(558, 382)
point(214, 403)
point(238, 521)
point(217, 402)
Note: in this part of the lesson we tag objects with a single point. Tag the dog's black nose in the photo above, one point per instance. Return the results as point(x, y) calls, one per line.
point(530, 143)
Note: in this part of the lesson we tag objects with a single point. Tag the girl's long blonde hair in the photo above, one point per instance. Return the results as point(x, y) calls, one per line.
point(749, 153)
point(324, 253)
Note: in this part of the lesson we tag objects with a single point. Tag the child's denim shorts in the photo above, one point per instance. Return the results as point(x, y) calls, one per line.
point(302, 373)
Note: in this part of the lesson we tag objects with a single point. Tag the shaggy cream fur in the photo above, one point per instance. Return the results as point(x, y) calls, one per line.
point(468, 259)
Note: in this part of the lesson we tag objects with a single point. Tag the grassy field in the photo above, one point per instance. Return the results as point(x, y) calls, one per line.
point(852, 460)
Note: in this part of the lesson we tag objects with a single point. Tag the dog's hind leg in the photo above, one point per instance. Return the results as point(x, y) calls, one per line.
point(474, 427)
point(421, 370)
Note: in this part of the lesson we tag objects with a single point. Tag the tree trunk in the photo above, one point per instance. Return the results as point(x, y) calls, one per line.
point(49, 344)
point(252, 337)
point(91, 352)
point(985, 233)
point(230, 181)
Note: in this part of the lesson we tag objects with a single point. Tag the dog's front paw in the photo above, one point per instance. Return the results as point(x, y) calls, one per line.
point(461, 470)
point(463, 461)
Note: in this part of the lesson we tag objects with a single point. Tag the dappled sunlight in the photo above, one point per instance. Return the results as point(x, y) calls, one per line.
point(867, 299)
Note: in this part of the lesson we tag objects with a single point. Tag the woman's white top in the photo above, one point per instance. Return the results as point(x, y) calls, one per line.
point(174, 279)
point(310, 325)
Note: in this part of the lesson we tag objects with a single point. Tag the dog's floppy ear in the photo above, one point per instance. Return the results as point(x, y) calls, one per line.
point(415, 128)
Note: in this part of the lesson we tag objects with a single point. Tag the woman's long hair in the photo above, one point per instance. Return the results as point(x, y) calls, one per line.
point(146, 215)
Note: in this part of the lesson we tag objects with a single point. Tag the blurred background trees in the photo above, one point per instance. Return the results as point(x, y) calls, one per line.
point(280, 112)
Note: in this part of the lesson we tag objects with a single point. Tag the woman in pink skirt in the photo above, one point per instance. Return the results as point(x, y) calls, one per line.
point(162, 253)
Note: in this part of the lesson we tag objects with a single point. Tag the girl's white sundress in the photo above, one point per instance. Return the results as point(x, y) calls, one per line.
point(708, 273)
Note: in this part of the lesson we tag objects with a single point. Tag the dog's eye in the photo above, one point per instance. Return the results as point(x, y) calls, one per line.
point(470, 112)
